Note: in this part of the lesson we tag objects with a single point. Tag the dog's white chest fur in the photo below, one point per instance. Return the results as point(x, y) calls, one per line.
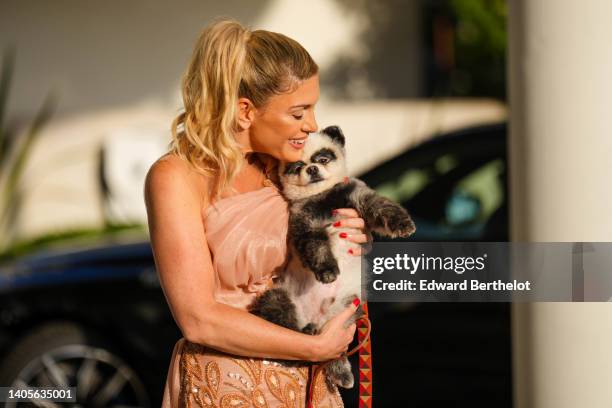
point(317, 302)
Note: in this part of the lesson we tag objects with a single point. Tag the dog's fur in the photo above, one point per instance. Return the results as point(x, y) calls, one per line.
point(322, 278)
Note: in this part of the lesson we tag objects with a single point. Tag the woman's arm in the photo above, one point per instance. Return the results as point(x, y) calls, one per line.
point(186, 273)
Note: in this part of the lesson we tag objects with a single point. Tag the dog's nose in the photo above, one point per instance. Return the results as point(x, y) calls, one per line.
point(312, 170)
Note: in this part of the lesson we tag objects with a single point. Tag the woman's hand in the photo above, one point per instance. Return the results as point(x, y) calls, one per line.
point(352, 220)
point(334, 338)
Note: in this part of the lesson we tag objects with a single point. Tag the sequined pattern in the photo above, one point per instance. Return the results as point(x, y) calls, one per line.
point(209, 378)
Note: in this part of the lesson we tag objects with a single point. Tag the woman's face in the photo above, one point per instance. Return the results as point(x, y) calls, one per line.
point(285, 120)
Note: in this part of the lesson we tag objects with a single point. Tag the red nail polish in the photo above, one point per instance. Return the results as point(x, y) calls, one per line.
point(337, 224)
point(350, 251)
point(356, 302)
point(343, 235)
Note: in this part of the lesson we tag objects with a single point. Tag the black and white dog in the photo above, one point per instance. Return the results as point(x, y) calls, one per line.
point(322, 278)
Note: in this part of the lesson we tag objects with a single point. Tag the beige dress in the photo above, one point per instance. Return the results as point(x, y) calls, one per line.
point(246, 234)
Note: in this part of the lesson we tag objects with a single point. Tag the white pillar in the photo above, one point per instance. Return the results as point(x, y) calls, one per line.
point(560, 83)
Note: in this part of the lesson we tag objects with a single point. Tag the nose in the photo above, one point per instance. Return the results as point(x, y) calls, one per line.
point(310, 124)
point(312, 170)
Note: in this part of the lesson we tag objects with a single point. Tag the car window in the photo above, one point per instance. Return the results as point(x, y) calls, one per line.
point(452, 196)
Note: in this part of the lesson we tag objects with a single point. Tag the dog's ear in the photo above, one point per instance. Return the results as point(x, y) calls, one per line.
point(335, 134)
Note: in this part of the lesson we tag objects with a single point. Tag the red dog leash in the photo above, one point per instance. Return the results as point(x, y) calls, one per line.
point(365, 360)
point(365, 363)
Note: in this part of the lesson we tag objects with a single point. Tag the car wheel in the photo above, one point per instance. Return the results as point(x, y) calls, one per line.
point(63, 354)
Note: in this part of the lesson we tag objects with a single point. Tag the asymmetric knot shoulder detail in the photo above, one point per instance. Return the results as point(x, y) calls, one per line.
point(247, 237)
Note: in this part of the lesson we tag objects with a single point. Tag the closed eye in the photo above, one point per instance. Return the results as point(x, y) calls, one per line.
point(298, 116)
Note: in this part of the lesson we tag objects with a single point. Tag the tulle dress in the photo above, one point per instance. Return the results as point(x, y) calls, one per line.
point(246, 234)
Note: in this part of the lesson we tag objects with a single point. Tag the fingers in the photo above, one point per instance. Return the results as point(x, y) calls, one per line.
point(357, 238)
point(351, 222)
point(347, 212)
point(350, 309)
point(355, 222)
point(355, 251)
point(342, 318)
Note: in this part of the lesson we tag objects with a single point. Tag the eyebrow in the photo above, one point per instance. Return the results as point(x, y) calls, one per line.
point(305, 105)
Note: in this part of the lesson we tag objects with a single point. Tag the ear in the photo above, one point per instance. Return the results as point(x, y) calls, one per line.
point(335, 133)
point(246, 113)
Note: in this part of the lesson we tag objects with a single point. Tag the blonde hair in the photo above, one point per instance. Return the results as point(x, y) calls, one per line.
point(230, 62)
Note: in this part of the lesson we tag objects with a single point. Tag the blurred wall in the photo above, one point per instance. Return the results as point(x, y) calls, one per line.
point(103, 54)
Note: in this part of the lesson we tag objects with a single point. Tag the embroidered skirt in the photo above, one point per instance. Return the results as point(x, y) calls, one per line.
point(201, 377)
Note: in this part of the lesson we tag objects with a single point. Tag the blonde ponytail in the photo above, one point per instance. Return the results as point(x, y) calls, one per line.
point(229, 62)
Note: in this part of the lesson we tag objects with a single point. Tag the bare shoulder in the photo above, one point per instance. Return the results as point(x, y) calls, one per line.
point(172, 176)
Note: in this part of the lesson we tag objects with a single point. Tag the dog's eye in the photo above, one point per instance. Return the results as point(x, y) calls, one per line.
point(324, 160)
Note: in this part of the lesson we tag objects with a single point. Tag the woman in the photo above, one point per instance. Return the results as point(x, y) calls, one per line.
point(218, 223)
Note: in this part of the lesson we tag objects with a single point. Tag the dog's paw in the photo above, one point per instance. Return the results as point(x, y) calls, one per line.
point(394, 222)
point(343, 379)
point(328, 275)
point(401, 226)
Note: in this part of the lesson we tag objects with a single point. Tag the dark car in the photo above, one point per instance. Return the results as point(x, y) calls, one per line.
point(93, 317)
point(96, 317)
point(445, 354)
point(454, 185)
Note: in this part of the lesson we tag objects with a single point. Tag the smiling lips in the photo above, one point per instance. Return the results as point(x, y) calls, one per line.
point(297, 143)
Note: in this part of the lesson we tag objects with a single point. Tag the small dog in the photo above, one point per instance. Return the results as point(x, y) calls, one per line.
point(322, 277)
